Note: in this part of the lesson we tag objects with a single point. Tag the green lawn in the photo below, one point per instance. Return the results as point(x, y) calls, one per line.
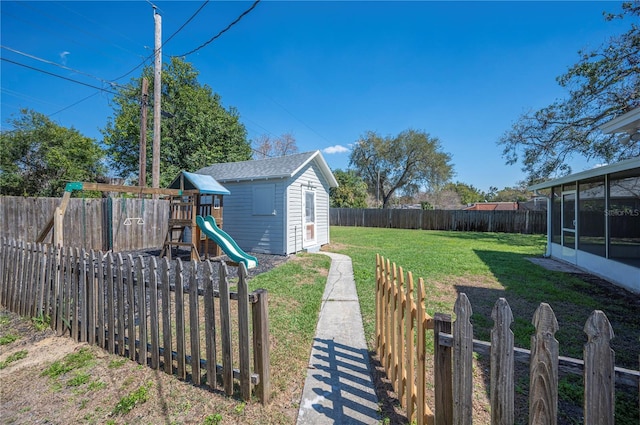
point(441, 258)
point(487, 266)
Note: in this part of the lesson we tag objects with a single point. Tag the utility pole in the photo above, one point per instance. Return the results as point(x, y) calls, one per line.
point(142, 174)
point(157, 89)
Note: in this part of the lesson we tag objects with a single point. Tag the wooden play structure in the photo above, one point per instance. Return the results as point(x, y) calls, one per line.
point(200, 195)
point(190, 195)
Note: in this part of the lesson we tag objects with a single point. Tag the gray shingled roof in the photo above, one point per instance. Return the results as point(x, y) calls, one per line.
point(270, 168)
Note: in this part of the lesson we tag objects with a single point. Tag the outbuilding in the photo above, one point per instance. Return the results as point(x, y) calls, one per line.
point(594, 216)
point(277, 205)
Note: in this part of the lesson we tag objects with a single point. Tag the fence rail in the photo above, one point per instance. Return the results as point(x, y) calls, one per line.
point(118, 224)
point(140, 309)
point(529, 222)
point(401, 319)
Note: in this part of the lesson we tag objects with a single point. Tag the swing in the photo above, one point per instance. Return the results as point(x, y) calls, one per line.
point(128, 221)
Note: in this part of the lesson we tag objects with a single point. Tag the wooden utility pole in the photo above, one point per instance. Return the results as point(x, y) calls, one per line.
point(142, 174)
point(157, 89)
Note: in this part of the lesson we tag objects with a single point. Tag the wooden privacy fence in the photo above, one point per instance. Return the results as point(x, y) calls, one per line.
point(174, 318)
point(460, 220)
point(117, 224)
point(401, 319)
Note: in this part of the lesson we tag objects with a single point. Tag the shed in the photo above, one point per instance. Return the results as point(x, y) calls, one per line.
point(594, 216)
point(278, 205)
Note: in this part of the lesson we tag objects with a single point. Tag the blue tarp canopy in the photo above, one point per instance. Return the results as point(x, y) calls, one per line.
point(205, 184)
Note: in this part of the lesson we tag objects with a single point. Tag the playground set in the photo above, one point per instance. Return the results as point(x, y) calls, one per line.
point(195, 208)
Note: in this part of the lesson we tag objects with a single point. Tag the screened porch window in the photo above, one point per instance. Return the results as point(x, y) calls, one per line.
point(591, 217)
point(624, 216)
point(556, 215)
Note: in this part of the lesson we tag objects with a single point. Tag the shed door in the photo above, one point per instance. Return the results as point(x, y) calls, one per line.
point(309, 217)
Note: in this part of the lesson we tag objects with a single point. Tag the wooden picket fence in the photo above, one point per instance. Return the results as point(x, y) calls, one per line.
point(401, 325)
point(140, 309)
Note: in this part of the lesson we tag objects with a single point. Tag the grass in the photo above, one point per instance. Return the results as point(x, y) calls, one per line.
point(128, 402)
point(18, 355)
point(72, 361)
point(295, 293)
point(8, 339)
point(487, 266)
point(447, 257)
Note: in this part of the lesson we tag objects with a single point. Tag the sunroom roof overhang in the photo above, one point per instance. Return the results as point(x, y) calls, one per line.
point(625, 165)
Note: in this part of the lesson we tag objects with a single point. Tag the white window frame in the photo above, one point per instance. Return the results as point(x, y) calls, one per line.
point(309, 241)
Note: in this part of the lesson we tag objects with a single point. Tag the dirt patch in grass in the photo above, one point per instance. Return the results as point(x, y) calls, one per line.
point(114, 390)
point(91, 394)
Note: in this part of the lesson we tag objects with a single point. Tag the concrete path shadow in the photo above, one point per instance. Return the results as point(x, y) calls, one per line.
point(339, 388)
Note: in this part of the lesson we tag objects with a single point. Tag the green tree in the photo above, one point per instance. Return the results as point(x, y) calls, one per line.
point(512, 194)
point(38, 157)
point(196, 129)
point(404, 163)
point(603, 84)
point(468, 193)
point(351, 192)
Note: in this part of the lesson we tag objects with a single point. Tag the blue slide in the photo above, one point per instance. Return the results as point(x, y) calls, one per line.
point(226, 242)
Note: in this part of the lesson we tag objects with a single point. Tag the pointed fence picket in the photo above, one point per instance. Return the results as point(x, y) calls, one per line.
point(401, 319)
point(134, 308)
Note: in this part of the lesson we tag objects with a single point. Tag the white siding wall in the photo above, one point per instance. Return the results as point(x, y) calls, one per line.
point(254, 233)
point(295, 202)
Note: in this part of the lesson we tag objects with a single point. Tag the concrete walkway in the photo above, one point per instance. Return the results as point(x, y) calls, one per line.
point(338, 388)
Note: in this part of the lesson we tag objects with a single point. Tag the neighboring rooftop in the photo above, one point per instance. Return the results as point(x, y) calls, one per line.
point(493, 206)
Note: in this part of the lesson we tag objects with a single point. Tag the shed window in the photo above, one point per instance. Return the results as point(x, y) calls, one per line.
point(264, 199)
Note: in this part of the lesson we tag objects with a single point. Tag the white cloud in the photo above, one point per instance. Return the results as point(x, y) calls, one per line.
point(335, 149)
point(63, 57)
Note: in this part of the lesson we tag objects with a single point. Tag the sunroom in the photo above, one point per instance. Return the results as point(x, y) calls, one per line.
point(593, 218)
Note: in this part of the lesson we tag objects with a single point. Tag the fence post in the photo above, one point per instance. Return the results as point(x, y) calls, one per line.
point(225, 327)
point(243, 333)
point(142, 311)
point(165, 287)
point(378, 292)
point(154, 328)
point(599, 372)
point(543, 374)
point(502, 389)
point(463, 361)
point(442, 371)
point(180, 325)
point(400, 357)
point(260, 316)
point(194, 323)
point(410, 317)
point(210, 325)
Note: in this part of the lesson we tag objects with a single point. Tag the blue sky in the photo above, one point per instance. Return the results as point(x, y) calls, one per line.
point(325, 72)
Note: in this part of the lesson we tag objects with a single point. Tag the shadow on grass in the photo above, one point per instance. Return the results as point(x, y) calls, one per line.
point(573, 297)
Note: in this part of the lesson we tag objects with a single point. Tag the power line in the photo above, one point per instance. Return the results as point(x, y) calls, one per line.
point(59, 76)
point(187, 21)
point(242, 15)
point(74, 104)
point(102, 80)
point(166, 41)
